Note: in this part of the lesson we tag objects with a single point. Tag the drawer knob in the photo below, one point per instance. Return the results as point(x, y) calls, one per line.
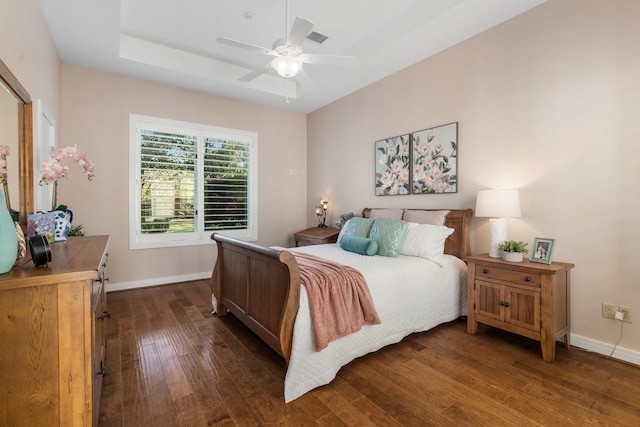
point(527, 279)
point(485, 271)
point(102, 371)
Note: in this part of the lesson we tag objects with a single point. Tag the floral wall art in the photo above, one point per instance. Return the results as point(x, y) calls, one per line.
point(435, 160)
point(423, 162)
point(392, 166)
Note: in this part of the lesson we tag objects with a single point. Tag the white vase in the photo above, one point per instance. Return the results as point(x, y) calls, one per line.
point(512, 256)
point(8, 237)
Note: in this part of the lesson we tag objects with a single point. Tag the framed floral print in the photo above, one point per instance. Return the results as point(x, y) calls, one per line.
point(392, 166)
point(435, 160)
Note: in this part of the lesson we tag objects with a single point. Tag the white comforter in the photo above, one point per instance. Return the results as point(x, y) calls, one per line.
point(411, 295)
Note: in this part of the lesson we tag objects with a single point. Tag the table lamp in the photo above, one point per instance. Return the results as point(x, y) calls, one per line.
point(321, 212)
point(498, 205)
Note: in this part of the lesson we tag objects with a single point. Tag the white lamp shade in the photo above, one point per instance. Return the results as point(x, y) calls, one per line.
point(287, 65)
point(498, 203)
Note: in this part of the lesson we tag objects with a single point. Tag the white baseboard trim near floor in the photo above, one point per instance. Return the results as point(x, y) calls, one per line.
point(112, 287)
point(600, 347)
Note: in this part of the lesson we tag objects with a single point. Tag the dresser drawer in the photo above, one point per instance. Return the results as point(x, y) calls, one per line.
point(512, 276)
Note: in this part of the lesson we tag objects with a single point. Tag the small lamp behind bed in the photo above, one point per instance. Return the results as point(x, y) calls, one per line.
point(321, 213)
point(497, 204)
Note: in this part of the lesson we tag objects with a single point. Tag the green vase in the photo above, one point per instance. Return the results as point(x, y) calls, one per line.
point(8, 238)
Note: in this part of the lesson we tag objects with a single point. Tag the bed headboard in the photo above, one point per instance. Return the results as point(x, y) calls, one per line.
point(457, 243)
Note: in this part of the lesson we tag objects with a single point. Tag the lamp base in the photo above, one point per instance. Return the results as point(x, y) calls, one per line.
point(497, 234)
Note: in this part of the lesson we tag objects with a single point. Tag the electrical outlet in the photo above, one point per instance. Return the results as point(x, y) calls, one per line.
point(609, 310)
point(626, 311)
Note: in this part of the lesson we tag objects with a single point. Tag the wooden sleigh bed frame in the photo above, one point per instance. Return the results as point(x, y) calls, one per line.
point(261, 285)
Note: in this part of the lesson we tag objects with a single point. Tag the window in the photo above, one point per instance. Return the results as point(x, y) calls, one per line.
point(189, 180)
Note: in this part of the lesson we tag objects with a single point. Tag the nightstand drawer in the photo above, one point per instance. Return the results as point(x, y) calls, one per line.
point(316, 236)
point(487, 273)
point(305, 240)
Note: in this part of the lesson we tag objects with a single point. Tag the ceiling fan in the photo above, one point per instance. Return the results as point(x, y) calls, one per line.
point(287, 52)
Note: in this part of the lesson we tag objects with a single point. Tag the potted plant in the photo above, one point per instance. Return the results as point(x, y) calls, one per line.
point(342, 219)
point(513, 251)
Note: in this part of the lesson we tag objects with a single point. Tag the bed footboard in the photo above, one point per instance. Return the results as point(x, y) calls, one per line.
point(260, 286)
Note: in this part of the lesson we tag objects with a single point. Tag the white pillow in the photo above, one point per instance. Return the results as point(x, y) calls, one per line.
point(425, 217)
point(391, 213)
point(425, 240)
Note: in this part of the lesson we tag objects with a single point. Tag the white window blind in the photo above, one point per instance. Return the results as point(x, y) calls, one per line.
point(189, 180)
point(226, 171)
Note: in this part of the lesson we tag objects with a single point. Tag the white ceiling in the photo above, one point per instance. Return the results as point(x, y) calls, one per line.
point(174, 42)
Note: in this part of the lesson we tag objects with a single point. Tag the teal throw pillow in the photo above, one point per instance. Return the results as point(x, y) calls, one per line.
point(359, 245)
point(356, 227)
point(390, 235)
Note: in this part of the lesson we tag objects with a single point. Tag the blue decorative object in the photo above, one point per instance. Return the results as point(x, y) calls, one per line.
point(8, 238)
point(62, 224)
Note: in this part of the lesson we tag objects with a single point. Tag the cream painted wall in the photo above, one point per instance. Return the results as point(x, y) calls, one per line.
point(95, 116)
point(546, 102)
point(28, 50)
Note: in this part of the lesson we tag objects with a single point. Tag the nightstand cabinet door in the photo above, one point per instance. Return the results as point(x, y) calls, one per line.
point(489, 299)
point(522, 308)
point(514, 306)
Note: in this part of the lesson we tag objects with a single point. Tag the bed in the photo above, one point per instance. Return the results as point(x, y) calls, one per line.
point(261, 286)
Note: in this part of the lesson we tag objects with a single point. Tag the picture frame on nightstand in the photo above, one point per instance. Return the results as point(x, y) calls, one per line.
point(542, 250)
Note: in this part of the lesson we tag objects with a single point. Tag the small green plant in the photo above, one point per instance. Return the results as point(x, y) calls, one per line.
point(513, 246)
point(342, 219)
point(76, 231)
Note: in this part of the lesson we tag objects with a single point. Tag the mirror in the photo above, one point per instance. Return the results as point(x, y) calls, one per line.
point(24, 154)
point(9, 137)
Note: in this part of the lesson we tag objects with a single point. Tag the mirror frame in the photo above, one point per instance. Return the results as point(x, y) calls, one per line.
point(25, 141)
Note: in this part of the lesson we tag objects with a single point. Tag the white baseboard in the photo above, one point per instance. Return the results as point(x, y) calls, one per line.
point(592, 345)
point(112, 287)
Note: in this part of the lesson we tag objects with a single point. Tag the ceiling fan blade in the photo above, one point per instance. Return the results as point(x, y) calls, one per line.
point(248, 46)
point(327, 59)
point(304, 81)
point(252, 75)
point(299, 31)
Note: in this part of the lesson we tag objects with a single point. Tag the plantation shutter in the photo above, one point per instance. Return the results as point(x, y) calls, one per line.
point(167, 182)
point(226, 184)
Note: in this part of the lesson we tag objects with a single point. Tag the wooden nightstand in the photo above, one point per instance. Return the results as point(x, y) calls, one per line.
point(526, 298)
point(316, 236)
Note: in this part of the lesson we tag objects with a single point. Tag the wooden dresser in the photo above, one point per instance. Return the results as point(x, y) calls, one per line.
point(52, 336)
point(526, 298)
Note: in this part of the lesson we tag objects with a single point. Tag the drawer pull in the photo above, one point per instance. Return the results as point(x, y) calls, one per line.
point(527, 279)
point(105, 315)
point(485, 271)
point(504, 303)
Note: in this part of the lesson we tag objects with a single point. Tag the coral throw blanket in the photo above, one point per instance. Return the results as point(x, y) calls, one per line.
point(339, 298)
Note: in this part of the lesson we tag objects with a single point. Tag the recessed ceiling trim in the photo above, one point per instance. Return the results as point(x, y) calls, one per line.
point(176, 60)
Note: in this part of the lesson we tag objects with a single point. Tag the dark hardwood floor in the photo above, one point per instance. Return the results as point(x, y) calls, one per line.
point(171, 363)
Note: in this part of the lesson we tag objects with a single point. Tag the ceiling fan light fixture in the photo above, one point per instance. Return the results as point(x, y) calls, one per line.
point(287, 65)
